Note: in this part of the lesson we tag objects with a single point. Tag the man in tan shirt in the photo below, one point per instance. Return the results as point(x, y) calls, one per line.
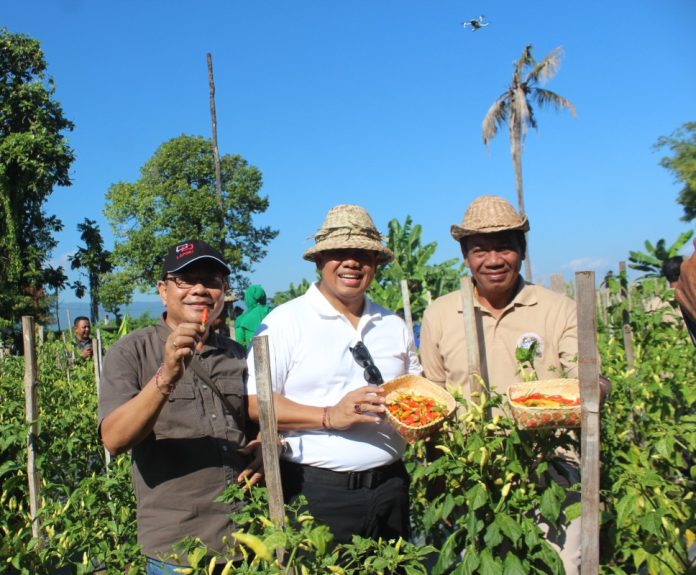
point(510, 313)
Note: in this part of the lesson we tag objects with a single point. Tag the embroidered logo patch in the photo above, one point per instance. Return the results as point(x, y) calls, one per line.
point(527, 339)
point(183, 250)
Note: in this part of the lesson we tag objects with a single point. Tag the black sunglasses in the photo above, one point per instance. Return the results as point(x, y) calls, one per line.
point(362, 357)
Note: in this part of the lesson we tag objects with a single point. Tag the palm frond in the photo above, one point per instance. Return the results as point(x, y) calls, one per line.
point(495, 117)
point(547, 98)
point(547, 68)
point(526, 59)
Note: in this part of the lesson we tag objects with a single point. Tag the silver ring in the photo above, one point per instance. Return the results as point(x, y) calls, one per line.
point(174, 344)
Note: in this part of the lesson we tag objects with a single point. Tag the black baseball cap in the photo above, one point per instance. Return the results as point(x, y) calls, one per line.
point(189, 252)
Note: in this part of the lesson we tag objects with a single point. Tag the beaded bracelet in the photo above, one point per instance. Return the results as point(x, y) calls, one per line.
point(325, 419)
point(170, 386)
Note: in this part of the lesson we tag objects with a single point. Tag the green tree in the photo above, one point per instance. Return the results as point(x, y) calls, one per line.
point(514, 109)
point(95, 260)
point(682, 162)
point(655, 255)
point(116, 290)
point(425, 281)
point(175, 200)
point(56, 279)
point(34, 158)
point(291, 293)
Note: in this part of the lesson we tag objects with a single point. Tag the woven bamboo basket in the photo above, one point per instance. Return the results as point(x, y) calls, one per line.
point(563, 416)
point(420, 386)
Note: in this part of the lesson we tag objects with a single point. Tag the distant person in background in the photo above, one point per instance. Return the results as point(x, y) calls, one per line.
point(82, 336)
point(685, 292)
point(248, 322)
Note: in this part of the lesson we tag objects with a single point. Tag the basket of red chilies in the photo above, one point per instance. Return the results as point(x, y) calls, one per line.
point(417, 407)
point(545, 404)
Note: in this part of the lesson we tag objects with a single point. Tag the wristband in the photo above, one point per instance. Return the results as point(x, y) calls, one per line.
point(168, 389)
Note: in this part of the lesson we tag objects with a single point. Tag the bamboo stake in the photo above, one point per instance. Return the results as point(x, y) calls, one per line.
point(407, 308)
point(473, 353)
point(97, 359)
point(31, 401)
point(67, 313)
point(558, 284)
point(590, 431)
point(269, 433)
point(626, 316)
point(213, 117)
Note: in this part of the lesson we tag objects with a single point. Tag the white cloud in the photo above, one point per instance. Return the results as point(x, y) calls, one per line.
point(62, 260)
point(586, 264)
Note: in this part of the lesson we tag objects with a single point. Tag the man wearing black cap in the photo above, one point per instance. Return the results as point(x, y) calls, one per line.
point(174, 395)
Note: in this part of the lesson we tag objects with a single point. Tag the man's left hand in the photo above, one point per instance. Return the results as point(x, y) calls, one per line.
point(253, 474)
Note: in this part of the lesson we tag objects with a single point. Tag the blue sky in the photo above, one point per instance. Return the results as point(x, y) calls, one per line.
point(380, 103)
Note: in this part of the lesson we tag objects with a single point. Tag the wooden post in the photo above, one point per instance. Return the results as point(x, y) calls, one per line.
point(216, 153)
point(31, 402)
point(97, 360)
point(588, 366)
point(269, 433)
point(558, 284)
point(473, 353)
point(67, 313)
point(626, 315)
point(407, 308)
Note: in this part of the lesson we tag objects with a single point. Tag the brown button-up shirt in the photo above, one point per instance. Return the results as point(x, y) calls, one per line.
point(191, 455)
point(535, 313)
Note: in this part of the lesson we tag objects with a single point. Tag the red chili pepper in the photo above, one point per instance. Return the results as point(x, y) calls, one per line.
point(417, 410)
point(204, 317)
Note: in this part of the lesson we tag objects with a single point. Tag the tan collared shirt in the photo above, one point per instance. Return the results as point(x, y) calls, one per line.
point(535, 313)
point(191, 455)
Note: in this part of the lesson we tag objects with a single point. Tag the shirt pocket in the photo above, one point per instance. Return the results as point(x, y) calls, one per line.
point(232, 389)
point(181, 415)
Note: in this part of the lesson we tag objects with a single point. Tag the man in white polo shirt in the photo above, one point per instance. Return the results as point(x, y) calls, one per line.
point(324, 347)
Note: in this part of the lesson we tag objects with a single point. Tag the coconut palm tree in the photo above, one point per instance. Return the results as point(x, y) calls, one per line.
point(514, 108)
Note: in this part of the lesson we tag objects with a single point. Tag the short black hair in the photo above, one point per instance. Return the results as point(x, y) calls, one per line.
point(671, 268)
point(518, 234)
point(79, 318)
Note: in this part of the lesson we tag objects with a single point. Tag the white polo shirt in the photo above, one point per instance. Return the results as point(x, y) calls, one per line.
point(311, 364)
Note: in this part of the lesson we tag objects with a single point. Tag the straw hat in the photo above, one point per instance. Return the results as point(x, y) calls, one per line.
point(349, 227)
point(487, 215)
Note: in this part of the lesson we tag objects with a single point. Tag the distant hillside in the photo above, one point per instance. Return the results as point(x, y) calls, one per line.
point(76, 308)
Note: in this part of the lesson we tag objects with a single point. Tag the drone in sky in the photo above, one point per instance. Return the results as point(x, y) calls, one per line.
point(475, 23)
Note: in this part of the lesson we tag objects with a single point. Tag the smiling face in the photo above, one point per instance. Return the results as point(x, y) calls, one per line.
point(186, 293)
point(494, 261)
point(345, 277)
point(82, 330)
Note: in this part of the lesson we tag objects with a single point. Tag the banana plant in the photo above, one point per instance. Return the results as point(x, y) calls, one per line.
point(655, 255)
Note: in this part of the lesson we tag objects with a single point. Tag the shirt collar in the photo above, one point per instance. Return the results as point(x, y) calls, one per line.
point(524, 296)
point(323, 307)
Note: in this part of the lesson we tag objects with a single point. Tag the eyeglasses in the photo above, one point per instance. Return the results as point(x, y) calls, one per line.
point(362, 357)
point(187, 282)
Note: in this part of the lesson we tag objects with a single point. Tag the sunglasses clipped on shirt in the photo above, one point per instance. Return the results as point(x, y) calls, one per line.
point(362, 357)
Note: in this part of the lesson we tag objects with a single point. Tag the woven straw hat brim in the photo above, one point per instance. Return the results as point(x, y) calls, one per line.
point(384, 255)
point(488, 215)
point(458, 232)
point(349, 227)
